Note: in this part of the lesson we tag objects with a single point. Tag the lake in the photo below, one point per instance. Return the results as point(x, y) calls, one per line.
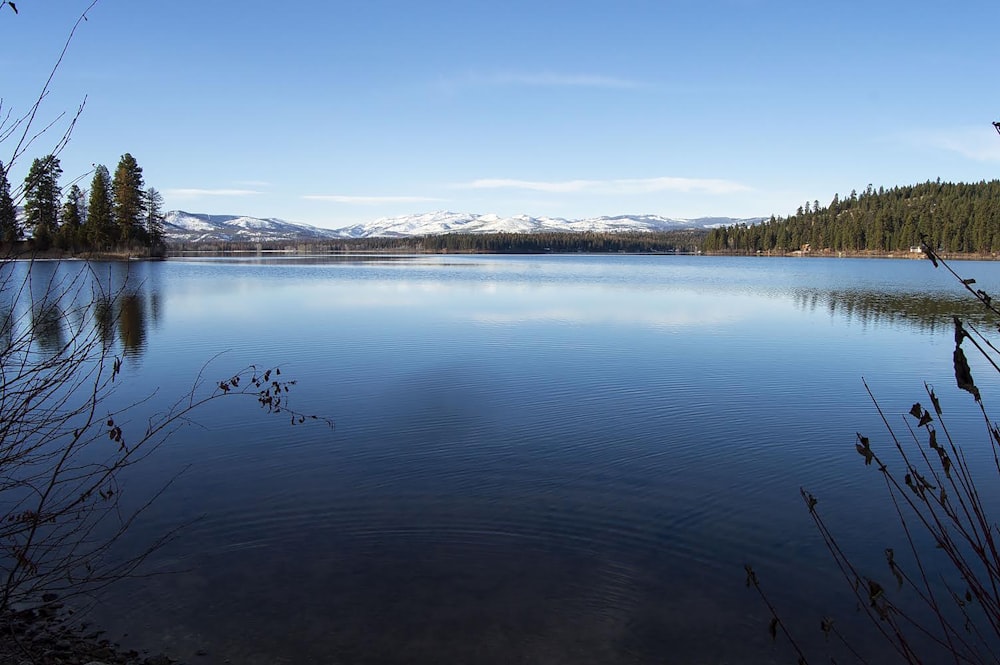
point(536, 459)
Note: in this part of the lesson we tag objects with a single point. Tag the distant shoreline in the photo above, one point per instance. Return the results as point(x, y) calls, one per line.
point(829, 254)
point(425, 252)
point(53, 254)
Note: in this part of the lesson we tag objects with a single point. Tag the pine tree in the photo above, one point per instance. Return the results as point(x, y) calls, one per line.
point(154, 217)
point(9, 228)
point(99, 228)
point(73, 213)
point(128, 200)
point(41, 199)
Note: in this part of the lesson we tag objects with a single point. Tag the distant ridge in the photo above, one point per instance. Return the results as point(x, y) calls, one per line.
point(183, 226)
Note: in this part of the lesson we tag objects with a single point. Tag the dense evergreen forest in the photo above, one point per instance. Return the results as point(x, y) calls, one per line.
point(117, 214)
point(489, 243)
point(954, 217)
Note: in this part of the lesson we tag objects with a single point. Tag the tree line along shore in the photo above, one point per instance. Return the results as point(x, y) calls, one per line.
point(118, 216)
point(953, 218)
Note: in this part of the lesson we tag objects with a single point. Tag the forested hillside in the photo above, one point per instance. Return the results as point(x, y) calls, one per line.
point(955, 217)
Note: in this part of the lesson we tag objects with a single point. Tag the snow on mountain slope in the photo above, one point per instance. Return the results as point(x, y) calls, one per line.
point(182, 226)
point(435, 223)
point(191, 227)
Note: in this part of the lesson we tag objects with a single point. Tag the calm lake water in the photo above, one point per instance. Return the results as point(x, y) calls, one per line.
point(545, 459)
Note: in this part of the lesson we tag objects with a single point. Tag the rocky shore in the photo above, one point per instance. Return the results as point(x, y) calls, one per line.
point(50, 635)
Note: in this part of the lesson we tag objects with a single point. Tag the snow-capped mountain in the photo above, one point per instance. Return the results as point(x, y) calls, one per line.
point(435, 223)
point(183, 226)
point(189, 227)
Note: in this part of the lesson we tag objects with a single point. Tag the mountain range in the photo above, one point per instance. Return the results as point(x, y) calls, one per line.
point(183, 226)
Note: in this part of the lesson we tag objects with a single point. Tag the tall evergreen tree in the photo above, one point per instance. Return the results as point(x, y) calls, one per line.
point(128, 200)
point(10, 230)
point(154, 217)
point(99, 229)
point(41, 198)
point(73, 213)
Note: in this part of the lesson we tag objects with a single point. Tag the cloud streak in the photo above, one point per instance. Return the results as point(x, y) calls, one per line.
point(547, 80)
point(369, 200)
point(192, 193)
point(626, 186)
point(554, 80)
point(976, 143)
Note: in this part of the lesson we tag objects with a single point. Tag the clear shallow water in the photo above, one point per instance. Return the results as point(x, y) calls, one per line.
point(536, 459)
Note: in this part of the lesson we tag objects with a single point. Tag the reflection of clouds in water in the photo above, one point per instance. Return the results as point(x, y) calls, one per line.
point(661, 308)
point(498, 303)
point(651, 319)
point(586, 304)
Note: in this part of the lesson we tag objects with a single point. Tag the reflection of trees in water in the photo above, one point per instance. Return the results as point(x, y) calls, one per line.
point(58, 302)
point(6, 326)
point(47, 326)
point(926, 311)
point(132, 323)
point(122, 317)
point(155, 305)
point(104, 319)
point(124, 314)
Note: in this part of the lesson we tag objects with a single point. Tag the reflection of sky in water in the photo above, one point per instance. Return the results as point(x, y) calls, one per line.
point(504, 292)
point(590, 445)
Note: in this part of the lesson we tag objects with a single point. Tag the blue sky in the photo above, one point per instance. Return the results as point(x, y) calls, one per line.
point(333, 113)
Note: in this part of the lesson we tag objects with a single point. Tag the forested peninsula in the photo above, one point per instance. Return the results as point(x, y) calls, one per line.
point(955, 218)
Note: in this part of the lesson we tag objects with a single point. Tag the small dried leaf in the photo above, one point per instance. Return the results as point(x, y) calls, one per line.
point(936, 403)
point(890, 558)
point(963, 375)
point(864, 449)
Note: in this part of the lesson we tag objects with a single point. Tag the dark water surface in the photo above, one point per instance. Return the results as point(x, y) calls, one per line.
point(552, 459)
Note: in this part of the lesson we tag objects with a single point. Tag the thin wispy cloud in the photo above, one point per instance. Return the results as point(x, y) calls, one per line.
point(613, 187)
point(369, 200)
point(552, 79)
point(544, 80)
point(193, 193)
point(976, 143)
